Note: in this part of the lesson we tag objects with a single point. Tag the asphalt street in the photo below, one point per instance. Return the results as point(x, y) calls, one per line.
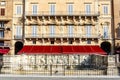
point(35, 77)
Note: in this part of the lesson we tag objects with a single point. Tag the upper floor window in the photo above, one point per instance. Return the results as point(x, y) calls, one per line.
point(87, 8)
point(52, 9)
point(2, 24)
point(70, 8)
point(1, 34)
point(52, 30)
point(34, 41)
point(70, 30)
point(52, 42)
point(18, 9)
point(18, 31)
point(1, 43)
point(88, 31)
point(105, 31)
point(105, 9)
point(2, 3)
point(34, 30)
point(88, 41)
point(70, 41)
point(2, 11)
point(34, 9)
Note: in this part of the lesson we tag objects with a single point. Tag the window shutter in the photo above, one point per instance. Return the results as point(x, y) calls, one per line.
point(2, 11)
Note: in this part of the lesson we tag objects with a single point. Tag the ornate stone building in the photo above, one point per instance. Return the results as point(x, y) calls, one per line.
point(71, 30)
point(55, 22)
point(47, 24)
point(6, 13)
point(116, 19)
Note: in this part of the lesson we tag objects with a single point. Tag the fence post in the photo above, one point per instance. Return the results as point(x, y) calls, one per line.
point(112, 67)
point(51, 70)
point(64, 69)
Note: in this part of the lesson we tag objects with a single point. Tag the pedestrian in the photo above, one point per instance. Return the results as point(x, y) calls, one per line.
point(1, 65)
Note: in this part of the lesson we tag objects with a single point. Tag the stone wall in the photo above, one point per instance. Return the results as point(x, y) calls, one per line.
point(28, 62)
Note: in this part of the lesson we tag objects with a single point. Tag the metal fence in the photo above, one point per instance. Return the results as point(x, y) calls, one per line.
point(91, 65)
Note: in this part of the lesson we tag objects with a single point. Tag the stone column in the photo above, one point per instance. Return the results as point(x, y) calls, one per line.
point(117, 58)
point(112, 68)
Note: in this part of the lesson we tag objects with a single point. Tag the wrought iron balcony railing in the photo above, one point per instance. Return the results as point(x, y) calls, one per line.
point(5, 45)
point(17, 36)
point(61, 13)
point(61, 35)
point(5, 18)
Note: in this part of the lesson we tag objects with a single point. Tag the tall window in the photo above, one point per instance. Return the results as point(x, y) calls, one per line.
point(105, 31)
point(34, 31)
point(70, 9)
point(2, 3)
point(52, 30)
point(105, 9)
point(34, 9)
point(18, 9)
point(1, 24)
point(18, 31)
point(70, 30)
point(1, 43)
point(88, 31)
point(1, 34)
point(80, 30)
point(2, 11)
point(88, 41)
point(52, 9)
point(87, 8)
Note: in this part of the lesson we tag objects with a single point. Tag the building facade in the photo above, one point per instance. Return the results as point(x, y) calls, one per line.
point(117, 23)
point(5, 25)
point(56, 22)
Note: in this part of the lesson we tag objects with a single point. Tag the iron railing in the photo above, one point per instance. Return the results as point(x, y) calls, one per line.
point(17, 36)
point(89, 65)
point(61, 35)
point(66, 35)
point(62, 13)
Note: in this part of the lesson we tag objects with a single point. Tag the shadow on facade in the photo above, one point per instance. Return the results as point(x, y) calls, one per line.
point(106, 46)
point(18, 47)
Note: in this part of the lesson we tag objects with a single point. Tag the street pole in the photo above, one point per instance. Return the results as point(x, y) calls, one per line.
point(112, 28)
point(23, 21)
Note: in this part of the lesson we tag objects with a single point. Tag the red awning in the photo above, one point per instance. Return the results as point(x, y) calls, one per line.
point(40, 50)
point(4, 51)
point(93, 49)
point(83, 50)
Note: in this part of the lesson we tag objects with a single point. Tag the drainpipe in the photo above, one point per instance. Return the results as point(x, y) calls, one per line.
point(112, 29)
point(23, 21)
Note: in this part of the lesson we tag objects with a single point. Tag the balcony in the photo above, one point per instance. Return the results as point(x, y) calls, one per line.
point(61, 35)
point(62, 13)
point(5, 38)
point(5, 44)
point(33, 36)
point(106, 36)
point(5, 18)
point(2, 27)
point(17, 36)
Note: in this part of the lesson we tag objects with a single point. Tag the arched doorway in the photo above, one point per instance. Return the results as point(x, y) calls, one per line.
point(106, 46)
point(18, 47)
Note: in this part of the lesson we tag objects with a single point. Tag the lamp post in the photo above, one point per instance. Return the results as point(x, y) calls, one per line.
point(112, 28)
point(23, 21)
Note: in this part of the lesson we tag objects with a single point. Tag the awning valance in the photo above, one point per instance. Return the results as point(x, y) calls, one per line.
point(4, 51)
point(76, 49)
